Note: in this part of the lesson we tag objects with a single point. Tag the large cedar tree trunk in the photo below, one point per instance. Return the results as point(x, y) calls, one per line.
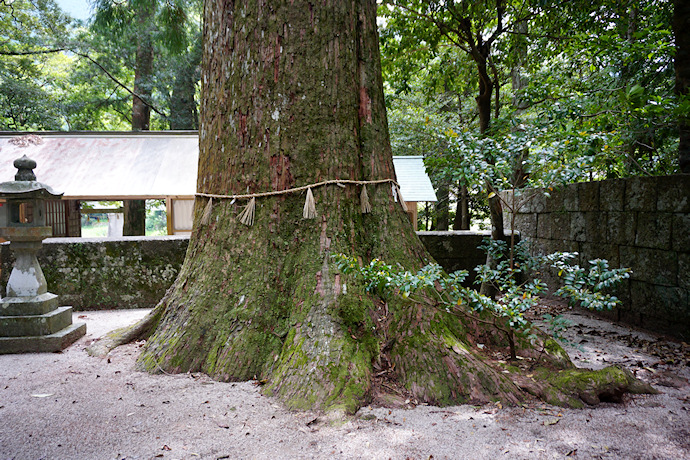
point(292, 95)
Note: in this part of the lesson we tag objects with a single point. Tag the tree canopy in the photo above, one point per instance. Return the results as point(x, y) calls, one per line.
point(587, 89)
point(601, 71)
point(61, 74)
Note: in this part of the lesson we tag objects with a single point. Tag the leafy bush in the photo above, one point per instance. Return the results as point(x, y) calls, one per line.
point(518, 291)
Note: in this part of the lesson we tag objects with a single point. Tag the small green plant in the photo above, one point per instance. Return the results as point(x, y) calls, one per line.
point(557, 326)
point(587, 286)
point(518, 292)
point(385, 280)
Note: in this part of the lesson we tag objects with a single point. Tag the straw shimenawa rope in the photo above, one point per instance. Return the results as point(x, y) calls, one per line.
point(247, 215)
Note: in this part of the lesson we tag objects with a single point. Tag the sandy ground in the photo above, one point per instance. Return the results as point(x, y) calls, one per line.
point(71, 406)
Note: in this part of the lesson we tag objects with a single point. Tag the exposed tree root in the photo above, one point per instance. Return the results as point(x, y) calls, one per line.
point(124, 335)
point(577, 387)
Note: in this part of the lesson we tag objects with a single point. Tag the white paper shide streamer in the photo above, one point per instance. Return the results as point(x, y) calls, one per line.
point(206, 216)
point(309, 206)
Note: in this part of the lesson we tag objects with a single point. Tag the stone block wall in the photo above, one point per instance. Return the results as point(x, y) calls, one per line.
point(642, 223)
point(457, 250)
point(98, 273)
point(135, 272)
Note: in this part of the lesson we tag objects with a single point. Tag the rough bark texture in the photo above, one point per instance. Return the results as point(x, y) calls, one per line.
point(681, 30)
point(292, 95)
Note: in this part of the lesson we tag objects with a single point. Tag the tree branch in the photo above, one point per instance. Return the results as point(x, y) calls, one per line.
point(570, 96)
point(441, 25)
point(499, 23)
point(28, 53)
point(119, 83)
point(93, 61)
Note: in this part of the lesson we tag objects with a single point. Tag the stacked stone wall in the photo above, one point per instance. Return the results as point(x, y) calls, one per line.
point(135, 272)
point(458, 250)
point(96, 273)
point(642, 223)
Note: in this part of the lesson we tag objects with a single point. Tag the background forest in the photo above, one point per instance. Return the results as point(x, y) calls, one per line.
point(494, 94)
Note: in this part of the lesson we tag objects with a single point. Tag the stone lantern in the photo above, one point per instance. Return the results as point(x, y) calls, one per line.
point(30, 318)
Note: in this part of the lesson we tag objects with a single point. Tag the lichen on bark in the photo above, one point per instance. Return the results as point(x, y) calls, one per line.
point(292, 95)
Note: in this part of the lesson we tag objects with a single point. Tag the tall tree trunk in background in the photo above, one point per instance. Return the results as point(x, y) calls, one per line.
point(681, 30)
point(143, 68)
point(480, 55)
point(441, 207)
point(135, 210)
point(640, 143)
point(134, 218)
point(486, 86)
point(183, 107)
point(462, 213)
point(517, 79)
point(292, 96)
point(441, 219)
point(518, 83)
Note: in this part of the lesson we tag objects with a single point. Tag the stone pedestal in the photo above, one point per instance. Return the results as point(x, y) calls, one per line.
point(30, 319)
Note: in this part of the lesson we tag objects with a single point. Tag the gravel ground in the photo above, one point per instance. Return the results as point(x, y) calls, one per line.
point(71, 406)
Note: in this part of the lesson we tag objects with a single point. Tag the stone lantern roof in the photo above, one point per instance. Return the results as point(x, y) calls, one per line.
point(25, 184)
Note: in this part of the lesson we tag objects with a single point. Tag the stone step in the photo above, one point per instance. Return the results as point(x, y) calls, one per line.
point(45, 343)
point(25, 306)
point(36, 325)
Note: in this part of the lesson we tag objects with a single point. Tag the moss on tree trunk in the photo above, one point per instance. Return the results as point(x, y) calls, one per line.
point(292, 95)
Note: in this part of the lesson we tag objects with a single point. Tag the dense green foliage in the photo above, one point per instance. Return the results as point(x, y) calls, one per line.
point(58, 73)
point(578, 90)
point(513, 278)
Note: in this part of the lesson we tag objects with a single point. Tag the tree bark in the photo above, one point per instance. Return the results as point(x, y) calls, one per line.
point(141, 112)
point(681, 30)
point(292, 95)
point(486, 86)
